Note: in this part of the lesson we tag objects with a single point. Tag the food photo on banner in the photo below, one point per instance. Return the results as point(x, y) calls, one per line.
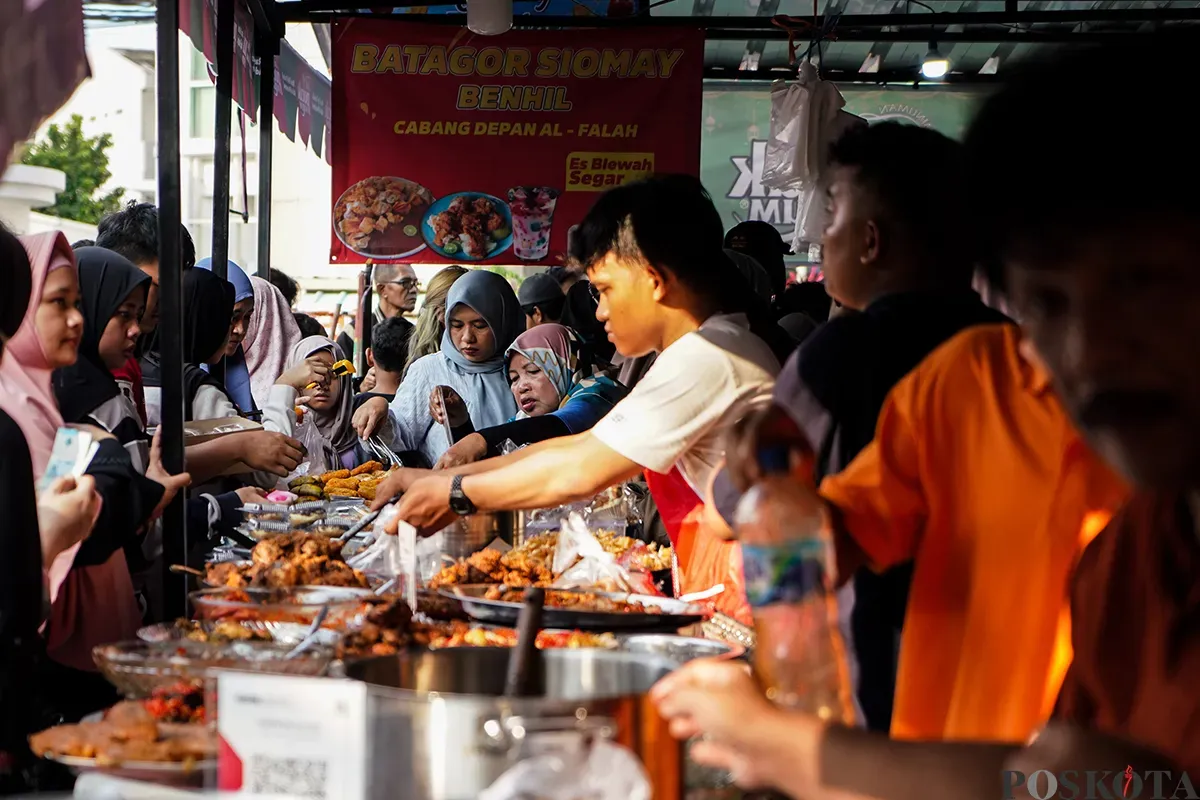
point(452, 147)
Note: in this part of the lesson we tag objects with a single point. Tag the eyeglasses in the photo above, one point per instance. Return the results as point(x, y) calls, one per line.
point(407, 284)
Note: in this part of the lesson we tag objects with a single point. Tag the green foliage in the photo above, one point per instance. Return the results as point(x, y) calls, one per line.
point(84, 159)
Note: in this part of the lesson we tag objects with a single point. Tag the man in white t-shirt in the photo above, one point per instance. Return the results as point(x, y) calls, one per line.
point(653, 252)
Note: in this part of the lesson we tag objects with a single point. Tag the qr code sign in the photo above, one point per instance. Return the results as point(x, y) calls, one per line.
point(294, 777)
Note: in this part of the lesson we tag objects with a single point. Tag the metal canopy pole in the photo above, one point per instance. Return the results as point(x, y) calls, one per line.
point(221, 137)
point(170, 298)
point(267, 46)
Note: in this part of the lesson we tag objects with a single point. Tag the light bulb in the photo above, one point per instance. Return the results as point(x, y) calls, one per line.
point(935, 64)
point(490, 17)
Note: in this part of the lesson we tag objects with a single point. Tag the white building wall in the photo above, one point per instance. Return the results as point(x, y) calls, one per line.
point(119, 99)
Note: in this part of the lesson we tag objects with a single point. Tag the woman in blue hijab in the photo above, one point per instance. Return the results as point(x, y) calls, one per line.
point(237, 374)
point(483, 318)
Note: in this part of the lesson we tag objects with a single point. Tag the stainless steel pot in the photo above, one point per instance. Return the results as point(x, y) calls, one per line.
point(441, 730)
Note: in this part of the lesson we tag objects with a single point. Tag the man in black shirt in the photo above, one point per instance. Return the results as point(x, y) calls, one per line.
point(893, 251)
point(386, 355)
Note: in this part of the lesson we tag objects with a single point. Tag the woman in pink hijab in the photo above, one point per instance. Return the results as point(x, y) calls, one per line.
point(270, 337)
point(94, 604)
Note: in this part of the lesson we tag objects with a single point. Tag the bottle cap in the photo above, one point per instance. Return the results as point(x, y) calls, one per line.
point(774, 459)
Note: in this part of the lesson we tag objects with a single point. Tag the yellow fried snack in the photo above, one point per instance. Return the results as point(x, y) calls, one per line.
point(367, 492)
point(340, 492)
point(343, 483)
point(303, 480)
point(370, 466)
point(309, 490)
point(337, 473)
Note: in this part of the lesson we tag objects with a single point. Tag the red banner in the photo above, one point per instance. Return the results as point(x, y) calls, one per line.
point(452, 147)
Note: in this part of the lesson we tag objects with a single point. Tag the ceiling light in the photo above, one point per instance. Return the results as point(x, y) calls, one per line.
point(991, 66)
point(870, 63)
point(935, 64)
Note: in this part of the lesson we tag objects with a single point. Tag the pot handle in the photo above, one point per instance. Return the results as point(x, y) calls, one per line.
point(501, 735)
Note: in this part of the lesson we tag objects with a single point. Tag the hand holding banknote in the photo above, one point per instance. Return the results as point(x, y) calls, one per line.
point(67, 511)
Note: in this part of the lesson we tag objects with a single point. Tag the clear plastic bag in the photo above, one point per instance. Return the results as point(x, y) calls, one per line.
point(316, 450)
point(785, 138)
point(803, 124)
point(604, 771)
point(393, 556)
point(581, 562)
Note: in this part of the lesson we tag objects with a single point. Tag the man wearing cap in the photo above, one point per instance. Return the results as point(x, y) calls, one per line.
point(762, 242)
point(542, 299)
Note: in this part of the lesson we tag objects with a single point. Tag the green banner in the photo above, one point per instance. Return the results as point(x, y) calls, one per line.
point(737, 120)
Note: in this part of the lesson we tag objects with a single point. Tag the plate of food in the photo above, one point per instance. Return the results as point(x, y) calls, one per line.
point(380, 217)
point(128, 742)
point(468, 226)
point(578, 609)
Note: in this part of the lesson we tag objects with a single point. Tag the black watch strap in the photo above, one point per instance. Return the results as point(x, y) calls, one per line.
point(459, 502)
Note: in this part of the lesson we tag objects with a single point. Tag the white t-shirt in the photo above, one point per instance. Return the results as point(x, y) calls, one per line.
point(678, 413)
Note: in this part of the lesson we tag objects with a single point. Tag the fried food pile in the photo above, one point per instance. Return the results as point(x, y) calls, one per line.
point(577, 601)
point(221, 632)
point(358, 482)
point(390, 627)
point(514, 568)
point(530, 564)
point(128, 733)
point(293, 559)
point(474, 225)
point(374, 204)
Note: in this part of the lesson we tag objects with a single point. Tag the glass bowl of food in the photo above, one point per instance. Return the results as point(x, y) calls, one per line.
point(281, 612)
point(139, 668)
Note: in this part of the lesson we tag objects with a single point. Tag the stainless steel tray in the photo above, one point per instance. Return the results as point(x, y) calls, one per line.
point(675, 614)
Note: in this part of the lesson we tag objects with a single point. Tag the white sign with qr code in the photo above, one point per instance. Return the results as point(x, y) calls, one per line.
point(292, 737)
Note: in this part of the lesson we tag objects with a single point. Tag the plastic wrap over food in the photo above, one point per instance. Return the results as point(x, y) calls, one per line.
point(604, 771)
point(581, 562)
point(315, 448)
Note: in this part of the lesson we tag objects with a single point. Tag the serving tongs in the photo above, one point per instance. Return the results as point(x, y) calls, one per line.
point(524, 674)
point(310, 637)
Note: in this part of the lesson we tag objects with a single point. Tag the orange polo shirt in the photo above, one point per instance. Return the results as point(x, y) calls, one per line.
point(978, 477)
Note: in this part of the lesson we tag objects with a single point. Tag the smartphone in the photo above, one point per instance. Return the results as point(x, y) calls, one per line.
point(440, 401)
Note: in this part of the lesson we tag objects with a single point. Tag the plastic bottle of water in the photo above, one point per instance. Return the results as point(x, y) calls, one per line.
point(790, 568)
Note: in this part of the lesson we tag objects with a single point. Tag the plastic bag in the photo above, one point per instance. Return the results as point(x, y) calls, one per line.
point(803, 114)
point(582, 563)
point(316, 450)
point(391, 556)
point(604, 771)
point(704, 562)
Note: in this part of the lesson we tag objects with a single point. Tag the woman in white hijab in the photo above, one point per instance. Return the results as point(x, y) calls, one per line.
point(483, 318)
point(270, 337)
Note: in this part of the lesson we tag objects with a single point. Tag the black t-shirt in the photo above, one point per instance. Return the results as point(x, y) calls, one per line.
point(363, 397)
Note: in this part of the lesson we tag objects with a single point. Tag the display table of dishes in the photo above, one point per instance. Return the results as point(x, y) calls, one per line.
point(292, 607)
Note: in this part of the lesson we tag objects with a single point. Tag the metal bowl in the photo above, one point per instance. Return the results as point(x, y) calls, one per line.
point(138, 668)
point(680, 649)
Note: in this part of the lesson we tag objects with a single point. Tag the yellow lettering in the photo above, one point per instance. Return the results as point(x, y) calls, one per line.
point(532, 98)
point(365, 58)
point(489, 98)
point(516, 62)
point(493, 129)
point(462, 61)
point(412, 55)
point(468, 96)
point(435, 62)
point(587, 62)
point(667, 59)
point(643, 65)
point(615, 62)
point(510, 96)
point(480, 128)
point(564, 69)
point(489, 62)
point(392, 60)
point(547, 62)
point(398, 128)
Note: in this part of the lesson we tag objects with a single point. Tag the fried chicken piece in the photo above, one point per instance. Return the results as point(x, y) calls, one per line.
point(311, 545)
point(225, 573)
point(268, 551)
point(482, 206)
point(334, 475)
point(362, 469)
point(494, 223)
point(281, 575)
point(458, 206)
point(131, 722)
point(343, 483)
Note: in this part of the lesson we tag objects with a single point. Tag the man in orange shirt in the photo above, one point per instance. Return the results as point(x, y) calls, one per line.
point(977, 477)
point(1117, 328)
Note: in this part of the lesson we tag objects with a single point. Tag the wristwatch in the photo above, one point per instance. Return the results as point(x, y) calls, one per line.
point(459, 503)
